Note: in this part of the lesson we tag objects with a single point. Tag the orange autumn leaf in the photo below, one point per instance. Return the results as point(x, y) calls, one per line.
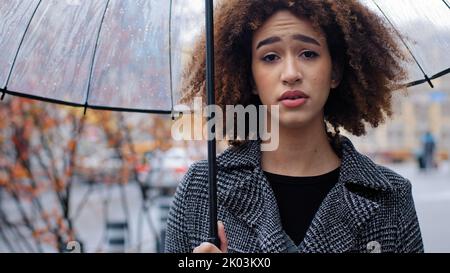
point(48, 123)
point(59, 185)
point(19, 172)
point(72, 144)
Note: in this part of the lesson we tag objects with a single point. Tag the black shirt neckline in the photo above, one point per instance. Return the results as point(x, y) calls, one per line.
point(299, 198)
point(286, 179)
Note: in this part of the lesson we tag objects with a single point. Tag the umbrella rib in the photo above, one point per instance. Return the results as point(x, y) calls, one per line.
point(72, 104)
point(20, 46)
point(93, 57)
point(446, 3)
point(440, 74)
point(414, 83)
point(427, 79)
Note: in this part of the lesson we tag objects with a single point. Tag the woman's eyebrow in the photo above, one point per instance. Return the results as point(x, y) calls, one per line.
point(306, 39)
point(298, 37)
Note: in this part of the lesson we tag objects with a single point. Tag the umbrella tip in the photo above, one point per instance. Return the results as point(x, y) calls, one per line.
point(85, 110)
point(3, 95)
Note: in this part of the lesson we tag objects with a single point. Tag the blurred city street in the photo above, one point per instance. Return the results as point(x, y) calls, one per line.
point(431, 191)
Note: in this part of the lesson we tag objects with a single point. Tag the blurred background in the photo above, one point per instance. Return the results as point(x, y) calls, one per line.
point(416, 144)
point(104, 180)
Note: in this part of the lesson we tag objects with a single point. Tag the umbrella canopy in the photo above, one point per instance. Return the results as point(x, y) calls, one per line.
point(120, 55)
point(105, 54)
point(127, 55)
point(423, 27)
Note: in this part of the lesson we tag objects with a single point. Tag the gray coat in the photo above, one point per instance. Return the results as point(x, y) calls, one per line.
point(370, 209)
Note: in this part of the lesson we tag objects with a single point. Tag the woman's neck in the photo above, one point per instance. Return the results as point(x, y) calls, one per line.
point(301, 152)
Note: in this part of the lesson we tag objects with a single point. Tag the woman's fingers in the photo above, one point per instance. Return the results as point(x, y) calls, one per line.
point(206, 248)
point(210, 248)
point(222, 237)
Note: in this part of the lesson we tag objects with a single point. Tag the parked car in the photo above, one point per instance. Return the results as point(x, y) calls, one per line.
point(168, 168)
point(102, 166)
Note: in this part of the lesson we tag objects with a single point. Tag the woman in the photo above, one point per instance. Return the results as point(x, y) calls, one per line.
point(325, 64)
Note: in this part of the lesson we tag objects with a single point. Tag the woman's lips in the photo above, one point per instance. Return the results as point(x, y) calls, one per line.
point(293, 103)
point(293, 98)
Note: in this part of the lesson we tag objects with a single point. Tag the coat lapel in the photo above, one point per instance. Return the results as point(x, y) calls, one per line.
point(251, 200)
point(338, 222)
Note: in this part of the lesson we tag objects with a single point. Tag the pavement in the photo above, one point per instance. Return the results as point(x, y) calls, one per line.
point(431, 193)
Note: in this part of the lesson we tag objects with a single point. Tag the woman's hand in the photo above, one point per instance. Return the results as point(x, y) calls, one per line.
point(210, 248)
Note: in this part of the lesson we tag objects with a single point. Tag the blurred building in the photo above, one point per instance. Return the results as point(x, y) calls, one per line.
point(416, 110)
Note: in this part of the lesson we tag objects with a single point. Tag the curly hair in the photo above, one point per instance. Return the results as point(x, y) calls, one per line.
point(360, 43)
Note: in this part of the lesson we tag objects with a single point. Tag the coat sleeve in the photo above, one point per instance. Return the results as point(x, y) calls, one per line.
point(177, 233)
point(409, 237)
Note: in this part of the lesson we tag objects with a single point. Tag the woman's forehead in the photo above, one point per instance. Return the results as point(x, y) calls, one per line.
point(285, 25)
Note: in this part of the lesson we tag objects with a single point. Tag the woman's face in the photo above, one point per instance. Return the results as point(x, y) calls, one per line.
point(292, 68)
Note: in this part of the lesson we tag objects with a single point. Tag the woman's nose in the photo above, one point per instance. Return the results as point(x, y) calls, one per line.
point(291, 72)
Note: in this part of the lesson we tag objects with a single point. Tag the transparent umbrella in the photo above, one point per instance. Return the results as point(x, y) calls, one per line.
point(117, 55)
point(128, 55)
point(104, 54)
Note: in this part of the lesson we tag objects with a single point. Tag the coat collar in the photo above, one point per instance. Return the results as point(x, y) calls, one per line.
point(356, 168)
point(337, 222)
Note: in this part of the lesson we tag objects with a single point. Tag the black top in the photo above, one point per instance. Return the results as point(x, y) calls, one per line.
point(299, 198)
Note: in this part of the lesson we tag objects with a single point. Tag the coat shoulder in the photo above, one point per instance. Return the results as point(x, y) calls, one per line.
point(196, 177)
point(397, 181)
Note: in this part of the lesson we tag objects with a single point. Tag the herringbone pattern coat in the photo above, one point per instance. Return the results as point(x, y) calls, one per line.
point(370, 209)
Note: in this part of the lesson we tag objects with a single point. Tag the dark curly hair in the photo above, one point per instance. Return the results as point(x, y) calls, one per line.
point(359, 43)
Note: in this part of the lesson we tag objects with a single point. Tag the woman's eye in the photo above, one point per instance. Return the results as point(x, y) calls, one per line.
point(309, 54)
point(270, 58)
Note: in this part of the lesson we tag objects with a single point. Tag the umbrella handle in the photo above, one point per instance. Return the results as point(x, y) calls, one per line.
point(212, 168)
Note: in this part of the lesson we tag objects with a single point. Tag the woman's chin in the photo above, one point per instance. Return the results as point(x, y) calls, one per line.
point(299, 120)
point(294, 123)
